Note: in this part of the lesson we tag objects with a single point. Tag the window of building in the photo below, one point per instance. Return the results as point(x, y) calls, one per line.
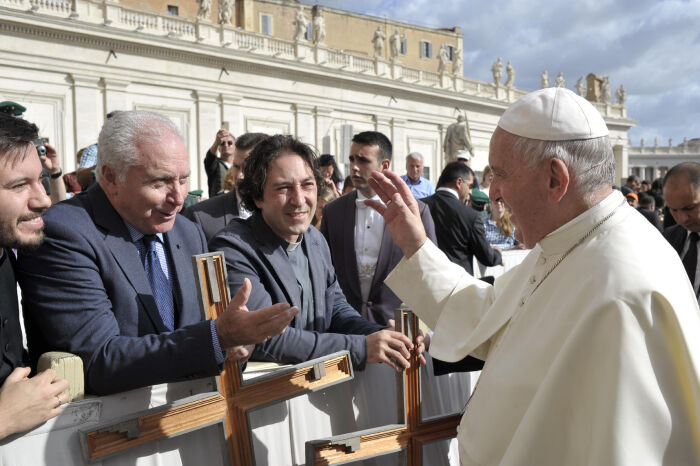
point(266, 24)
point(309, 31)
point(450, 52)
point(404, 46)
point(426, 49)
point(173, 10)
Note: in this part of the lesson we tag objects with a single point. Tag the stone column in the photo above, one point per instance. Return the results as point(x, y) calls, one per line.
point(304, 126)
point(323, 130)
point(233, 113)
point(208, 123)
point(398, 142)
point(87, 109)
point(621, 163)
point(115, 94)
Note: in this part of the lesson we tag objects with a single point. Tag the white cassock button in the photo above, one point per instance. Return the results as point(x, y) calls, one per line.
point(522, 301)
point(533, 279)
point(542, 260)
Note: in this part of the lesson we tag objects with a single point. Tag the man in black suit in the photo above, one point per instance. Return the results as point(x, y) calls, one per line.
point(24, 402)
point(682, 194)
point(216, 212)
point(361, 247)
point(459, 229)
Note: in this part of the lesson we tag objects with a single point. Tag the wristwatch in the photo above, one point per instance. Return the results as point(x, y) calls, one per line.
point(57, 175)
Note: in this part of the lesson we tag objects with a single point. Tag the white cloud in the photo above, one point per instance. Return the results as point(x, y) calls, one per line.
point(650, 46)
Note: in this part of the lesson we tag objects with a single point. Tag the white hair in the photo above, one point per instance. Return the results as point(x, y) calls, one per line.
point(415, 156)
point(590, 161)
point(117, 145)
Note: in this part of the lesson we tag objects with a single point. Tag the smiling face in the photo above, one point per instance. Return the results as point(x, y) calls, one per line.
point(22, 200)
point(152, 192)
point(289, 197)
point(522, 189)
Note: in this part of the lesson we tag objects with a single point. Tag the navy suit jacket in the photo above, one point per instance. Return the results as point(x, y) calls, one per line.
point(338, 226)
point(85, 291)
point(460, 232)
point(254, 251)
point(214, 214)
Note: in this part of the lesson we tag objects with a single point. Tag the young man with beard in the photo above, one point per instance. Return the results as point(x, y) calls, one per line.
point(24, 402)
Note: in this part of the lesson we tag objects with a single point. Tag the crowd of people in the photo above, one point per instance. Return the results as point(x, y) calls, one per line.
point(324, 261)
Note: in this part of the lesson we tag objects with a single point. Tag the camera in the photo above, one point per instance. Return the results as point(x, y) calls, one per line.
point(40, 148)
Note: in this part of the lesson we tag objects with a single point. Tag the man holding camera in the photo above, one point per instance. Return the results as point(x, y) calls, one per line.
point(216, 167)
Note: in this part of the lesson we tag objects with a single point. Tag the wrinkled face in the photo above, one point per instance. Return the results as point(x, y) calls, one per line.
point(327, 172)
point(364, 159)
point(289, 197)
point(414, 168)
point(464, 190)
point(684, 202)
point(227, 147)
point(22, 200)
point(153, 191)
point(522, 189)
point(239, 158)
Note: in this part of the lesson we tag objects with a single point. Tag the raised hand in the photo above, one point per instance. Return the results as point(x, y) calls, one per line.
point(400, 211)
point(237, 326)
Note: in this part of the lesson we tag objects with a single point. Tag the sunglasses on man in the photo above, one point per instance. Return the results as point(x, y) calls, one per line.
point(223, 143)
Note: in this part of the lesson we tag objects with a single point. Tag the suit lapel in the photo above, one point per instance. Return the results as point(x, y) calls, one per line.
point(271, 249)
point(125, 254)
point(181, 263)
point(318, 282)
point(348, 240)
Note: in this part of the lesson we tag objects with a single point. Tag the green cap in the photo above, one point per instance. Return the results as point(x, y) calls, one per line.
point(196, 192)
point(479, 197)
point(12, 108)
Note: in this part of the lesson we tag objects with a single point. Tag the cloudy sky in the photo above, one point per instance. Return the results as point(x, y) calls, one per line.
point(652, 47)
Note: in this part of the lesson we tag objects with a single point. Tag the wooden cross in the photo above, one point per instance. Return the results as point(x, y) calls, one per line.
point(234, 398)
point(410, 436)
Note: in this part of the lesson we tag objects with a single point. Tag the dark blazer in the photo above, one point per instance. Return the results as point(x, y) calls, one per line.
point(216, 170)
point(676, 235)
point(85, 291)
point(214, 214)
point(338, 226)
point(12, 354)
point(460, 232)
point(254, 251)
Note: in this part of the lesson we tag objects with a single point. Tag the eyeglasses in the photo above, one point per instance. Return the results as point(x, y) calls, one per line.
point(223, 143)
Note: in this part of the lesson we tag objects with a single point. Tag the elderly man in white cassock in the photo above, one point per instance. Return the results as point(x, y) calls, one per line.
point(592, 344)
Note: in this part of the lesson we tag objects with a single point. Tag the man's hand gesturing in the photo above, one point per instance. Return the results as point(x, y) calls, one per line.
point(237, 326)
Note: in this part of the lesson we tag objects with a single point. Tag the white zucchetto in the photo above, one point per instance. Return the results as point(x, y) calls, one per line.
point(553, 114)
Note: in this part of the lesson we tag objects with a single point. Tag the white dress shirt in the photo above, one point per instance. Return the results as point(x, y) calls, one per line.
point(369, 229)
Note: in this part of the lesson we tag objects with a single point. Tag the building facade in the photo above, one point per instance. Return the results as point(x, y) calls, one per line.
point(71, 62)
point(651, 162)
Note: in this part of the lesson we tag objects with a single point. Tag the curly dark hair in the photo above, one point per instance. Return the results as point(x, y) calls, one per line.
point(15, 134)
point(252, 187)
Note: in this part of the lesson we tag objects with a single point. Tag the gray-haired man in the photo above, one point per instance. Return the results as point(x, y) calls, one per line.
point(113, 282)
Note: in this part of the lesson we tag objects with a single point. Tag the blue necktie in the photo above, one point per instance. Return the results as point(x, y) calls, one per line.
point(160, 284)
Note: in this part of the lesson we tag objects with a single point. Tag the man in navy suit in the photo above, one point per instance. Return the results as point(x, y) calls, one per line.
point(682, 193)
point(287, 260)
point(216, 212)
point(113, 281)
point(361, 247)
